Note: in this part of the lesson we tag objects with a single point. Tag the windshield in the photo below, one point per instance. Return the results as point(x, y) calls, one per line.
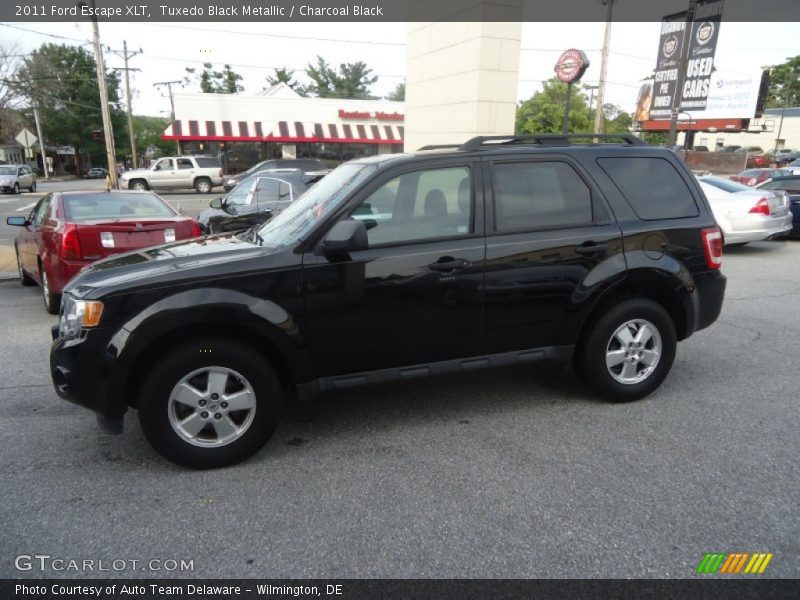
point(297, 221)
point(726, 184)
point(8, 170)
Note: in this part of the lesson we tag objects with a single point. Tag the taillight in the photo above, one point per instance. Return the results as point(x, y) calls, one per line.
point(761, 207)
point(712, 244)
point(70, 244)
point(220, 172)
point(196, 231)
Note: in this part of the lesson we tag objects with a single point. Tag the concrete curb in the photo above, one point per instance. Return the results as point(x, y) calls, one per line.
point(8, 275)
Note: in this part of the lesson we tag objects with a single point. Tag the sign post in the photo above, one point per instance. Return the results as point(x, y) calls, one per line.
point(570, 67)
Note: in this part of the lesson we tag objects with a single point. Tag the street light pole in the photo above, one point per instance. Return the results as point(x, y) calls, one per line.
point(41, 142)
point(169, 85)
point(101, 83)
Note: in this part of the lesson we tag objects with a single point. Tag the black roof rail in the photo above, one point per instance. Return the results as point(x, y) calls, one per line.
point(439, 147)
point(556, 139)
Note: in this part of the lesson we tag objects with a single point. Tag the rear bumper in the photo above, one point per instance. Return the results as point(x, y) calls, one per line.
point(755, 228)
point(709, 296)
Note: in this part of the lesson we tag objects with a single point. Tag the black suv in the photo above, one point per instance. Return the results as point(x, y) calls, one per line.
point(500, 251)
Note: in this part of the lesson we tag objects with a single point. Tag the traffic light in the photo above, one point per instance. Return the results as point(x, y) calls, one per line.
point(97, 135)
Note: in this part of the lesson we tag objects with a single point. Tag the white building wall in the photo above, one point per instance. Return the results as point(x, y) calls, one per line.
point(789, 137)
point(461, 80)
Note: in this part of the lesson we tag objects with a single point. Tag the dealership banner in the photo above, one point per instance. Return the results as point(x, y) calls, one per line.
point(700, 62)
point(665, 81)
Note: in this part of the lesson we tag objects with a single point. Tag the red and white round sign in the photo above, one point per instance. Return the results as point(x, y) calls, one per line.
point(571, 65)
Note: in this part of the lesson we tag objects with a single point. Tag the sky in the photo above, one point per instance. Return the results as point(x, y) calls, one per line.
point(254, 49)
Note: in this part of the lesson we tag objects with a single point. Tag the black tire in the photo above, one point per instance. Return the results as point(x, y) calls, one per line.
point(15, 191)
point(590, 360)
point(154, 402)
point(138, 184)
point(202, 185)
point(24, 278)
point(33, 187)
point(52, 302)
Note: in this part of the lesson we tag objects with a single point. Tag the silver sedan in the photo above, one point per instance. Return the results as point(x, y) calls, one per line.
point(744, 214)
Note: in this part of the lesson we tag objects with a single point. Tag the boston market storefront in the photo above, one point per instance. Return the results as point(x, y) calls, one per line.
point(243, 130)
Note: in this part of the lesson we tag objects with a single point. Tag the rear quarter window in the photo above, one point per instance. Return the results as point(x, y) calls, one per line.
point(206, 162)
point(652, 186)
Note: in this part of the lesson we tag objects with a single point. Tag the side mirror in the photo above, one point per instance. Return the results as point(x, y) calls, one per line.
point(346, 236)
point(216, 203)
point(17, 221)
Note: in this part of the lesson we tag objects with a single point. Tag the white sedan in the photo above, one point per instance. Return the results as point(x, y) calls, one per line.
point(746, 215)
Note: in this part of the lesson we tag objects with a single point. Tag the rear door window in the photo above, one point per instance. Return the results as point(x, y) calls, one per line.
point(539, 195)
point(207, 162)
point(652, 186)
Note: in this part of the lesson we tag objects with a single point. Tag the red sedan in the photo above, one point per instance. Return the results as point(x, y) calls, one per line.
point(67, 230)
point(753, 177)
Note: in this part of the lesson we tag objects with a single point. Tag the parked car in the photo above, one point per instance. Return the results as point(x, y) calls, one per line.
point(700, 148)
point(66, 231)
point(253, 201)
point(792, 168)
point(303, 164)
point(203, 173)
point(97, 173)
point(745, 214)
point(13, 178)
point(753, 177)
point(499, 251)
point(791, 185)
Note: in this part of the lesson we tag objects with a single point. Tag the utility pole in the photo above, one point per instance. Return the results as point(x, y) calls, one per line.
point(41, 142)
point(678, 96)
point(125, 56)
point(101, 83)
point(169, 85)
point(601, 87)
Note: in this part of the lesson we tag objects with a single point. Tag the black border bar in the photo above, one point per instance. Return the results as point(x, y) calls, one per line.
point(366, 11)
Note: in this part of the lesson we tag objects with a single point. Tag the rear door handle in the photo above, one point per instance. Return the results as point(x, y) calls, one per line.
point(591, 248)
point(449, 264)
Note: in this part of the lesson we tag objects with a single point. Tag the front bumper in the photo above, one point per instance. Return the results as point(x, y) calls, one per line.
point(82, 378)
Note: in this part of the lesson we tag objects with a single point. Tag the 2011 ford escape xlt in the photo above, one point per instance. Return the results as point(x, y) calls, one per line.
point(503, 250)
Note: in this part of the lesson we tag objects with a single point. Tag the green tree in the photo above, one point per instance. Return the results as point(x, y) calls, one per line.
point(62, 81)
point(215, 82)
point(784, 84)
point(352, 80)
point(284, 75)
point(148, 135)
point(399, 93)
point(544, 111)
point(615, 120)
point(11, 98)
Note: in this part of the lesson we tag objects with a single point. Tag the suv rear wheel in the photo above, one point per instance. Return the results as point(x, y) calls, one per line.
point(202, 185)
point(629, 351)
point(210, 404)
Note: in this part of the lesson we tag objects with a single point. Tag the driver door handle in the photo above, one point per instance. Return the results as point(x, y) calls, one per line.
point(591, 248)
point(449, 264)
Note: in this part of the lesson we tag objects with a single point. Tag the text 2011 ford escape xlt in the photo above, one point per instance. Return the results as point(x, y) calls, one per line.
point(496, 252)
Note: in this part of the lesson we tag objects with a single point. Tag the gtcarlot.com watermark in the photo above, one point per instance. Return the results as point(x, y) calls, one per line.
point(46, 563)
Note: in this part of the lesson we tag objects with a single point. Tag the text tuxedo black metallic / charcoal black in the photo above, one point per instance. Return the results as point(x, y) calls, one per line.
point(499, 251)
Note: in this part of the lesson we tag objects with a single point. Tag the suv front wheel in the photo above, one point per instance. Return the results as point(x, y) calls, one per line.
point(629, 351)
point(210, 404)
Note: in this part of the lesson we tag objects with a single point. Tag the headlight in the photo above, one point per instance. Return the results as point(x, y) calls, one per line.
point(77, 314)
point(231, 182)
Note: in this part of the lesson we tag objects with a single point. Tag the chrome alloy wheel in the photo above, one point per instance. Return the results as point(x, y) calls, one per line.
point(633, 352)
point(212, 407)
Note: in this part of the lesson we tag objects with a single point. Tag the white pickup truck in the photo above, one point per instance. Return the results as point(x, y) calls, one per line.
point(203, 173)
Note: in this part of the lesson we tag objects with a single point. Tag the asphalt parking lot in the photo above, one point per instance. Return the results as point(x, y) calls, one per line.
point(512, 473)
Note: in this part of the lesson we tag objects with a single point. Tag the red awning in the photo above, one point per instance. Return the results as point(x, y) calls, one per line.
point(721, 125)
point(283, 131)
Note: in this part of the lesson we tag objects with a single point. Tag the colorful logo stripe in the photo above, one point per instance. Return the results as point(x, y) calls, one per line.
point(734, 563)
